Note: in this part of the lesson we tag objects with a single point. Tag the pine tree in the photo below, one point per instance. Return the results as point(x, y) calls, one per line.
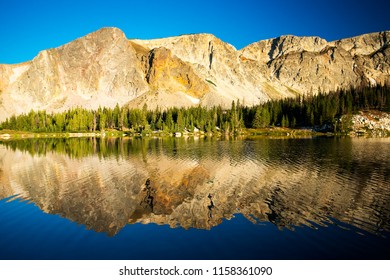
point(169, 121)
point(102, 121)
point(116, 116)
point(159, 124)
point(179, 121)
point(257, 121)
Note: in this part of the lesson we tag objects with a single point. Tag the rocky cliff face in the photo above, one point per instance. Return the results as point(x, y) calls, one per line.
point(308, 64)
point(105, 68)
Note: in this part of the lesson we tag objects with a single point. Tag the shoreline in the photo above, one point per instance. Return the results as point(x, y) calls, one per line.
point(247, 132)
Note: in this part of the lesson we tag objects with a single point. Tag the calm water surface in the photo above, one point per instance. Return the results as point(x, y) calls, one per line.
point(175, 198)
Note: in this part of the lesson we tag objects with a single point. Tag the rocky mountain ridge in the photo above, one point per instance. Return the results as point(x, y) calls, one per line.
point(104, 68)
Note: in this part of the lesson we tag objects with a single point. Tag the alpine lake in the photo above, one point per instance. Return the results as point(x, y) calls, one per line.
point(195, 198)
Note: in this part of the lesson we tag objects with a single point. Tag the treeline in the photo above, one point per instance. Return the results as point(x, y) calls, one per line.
point(321, 112)
point(134, 120)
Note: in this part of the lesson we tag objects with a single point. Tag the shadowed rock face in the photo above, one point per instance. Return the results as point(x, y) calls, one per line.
point(104, 68)
point(200, 187)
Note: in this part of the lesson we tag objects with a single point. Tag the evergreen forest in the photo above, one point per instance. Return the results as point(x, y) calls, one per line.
point(321, 112)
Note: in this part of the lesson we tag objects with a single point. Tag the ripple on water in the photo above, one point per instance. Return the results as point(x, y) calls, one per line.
point(290, 182)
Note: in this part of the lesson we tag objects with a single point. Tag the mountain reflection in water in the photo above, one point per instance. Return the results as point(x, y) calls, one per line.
point(106, 184)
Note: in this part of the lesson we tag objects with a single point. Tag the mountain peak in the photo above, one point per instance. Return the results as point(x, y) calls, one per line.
point(104, 68)
point(104, 31)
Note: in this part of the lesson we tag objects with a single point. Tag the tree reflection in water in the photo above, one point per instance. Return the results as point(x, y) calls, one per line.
point(108, 183)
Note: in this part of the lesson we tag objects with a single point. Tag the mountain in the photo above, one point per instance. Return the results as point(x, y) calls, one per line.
point(105, 68)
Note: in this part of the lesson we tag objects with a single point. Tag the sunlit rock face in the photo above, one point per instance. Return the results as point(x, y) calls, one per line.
point(104, 68)
point(124, 181)
point(309, 64)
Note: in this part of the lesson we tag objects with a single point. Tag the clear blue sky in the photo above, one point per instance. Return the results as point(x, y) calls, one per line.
point(26, 27)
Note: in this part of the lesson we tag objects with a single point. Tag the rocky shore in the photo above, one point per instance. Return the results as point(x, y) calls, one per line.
point(371, 123)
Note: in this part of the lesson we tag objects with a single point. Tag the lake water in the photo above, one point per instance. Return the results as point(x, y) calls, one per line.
point(176, 198)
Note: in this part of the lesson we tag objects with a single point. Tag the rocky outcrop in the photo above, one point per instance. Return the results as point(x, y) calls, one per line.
point(168, 73)
point(104, 68)
point(372, 123)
